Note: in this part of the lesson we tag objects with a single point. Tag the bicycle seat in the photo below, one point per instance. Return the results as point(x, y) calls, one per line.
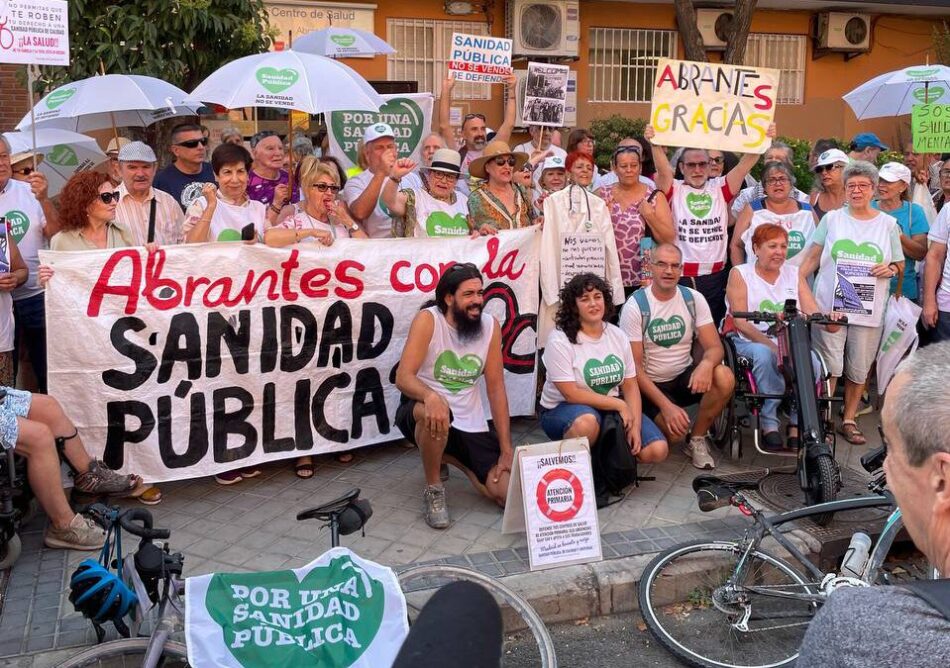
point(713, 492)
point(338, 505)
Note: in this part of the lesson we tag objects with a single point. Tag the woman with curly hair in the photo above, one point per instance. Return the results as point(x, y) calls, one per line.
point(590, 372)
point(87, 215)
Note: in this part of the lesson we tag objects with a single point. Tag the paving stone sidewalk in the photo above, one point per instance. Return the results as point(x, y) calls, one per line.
point(251, 526)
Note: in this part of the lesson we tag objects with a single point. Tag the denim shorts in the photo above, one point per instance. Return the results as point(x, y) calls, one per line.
point(15, 405)
point(556, 421)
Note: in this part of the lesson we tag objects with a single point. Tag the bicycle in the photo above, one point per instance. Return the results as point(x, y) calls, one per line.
point(154, 566)
point(733, 603)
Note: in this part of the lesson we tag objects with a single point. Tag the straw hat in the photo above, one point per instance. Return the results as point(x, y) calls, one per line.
point(24, 156)
point(494, 150)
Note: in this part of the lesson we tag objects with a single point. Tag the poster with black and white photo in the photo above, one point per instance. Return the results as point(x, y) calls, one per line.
point(545, 94)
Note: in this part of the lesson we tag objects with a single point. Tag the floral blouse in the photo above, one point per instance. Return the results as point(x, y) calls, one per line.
point(486, 209)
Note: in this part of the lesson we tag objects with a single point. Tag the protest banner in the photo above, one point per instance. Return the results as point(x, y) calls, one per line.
point(551, 497)
point(930, 127)
point(480, 58)
point(199, 359)
point(711, 105)
point(34, 32)
point(338, 610)
point(410, 116)
point(545, 95)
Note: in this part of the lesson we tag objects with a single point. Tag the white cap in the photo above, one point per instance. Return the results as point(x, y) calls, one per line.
point(377, 131)
point(894, 172)
point(137, 151)
point(553, 162)
point(832, 156)
point(115, 144)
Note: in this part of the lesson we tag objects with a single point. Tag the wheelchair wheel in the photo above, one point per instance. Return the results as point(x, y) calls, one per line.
point(725, 428)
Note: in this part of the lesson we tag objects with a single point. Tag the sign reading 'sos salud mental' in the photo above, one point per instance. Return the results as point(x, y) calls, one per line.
point(710, 105)
point(480, 58)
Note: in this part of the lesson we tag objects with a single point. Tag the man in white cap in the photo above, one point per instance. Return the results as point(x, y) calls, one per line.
point(147, 213)
point(362, 192)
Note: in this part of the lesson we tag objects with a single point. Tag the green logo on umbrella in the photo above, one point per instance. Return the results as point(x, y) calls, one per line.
point(57, 97)
point(343, 40)
point(931, 94)
point(62, 155)
point(401, 113)
point(275, 80)
point(922, 74)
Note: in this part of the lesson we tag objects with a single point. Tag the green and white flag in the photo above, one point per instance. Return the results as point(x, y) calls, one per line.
point(339, 610)
point(409, 114)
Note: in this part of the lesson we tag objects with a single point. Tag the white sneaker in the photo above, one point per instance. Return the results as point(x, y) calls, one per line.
point(698, 450)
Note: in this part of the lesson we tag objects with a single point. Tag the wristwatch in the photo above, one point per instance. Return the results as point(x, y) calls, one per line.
point(354, 227)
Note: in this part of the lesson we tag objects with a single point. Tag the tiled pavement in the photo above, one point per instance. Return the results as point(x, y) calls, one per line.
point(252, 526)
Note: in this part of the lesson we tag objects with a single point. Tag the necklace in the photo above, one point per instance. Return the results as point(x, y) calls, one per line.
point(316, 222)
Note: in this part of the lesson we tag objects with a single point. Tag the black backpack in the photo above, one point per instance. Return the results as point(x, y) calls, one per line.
point(615, 468)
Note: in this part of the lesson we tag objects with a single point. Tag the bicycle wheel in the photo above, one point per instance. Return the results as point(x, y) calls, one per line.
point(523, 609)
point(127, 653)
point(691, 607)
point(824, 481)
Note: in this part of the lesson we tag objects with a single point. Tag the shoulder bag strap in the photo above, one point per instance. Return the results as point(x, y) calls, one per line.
point(151, 219)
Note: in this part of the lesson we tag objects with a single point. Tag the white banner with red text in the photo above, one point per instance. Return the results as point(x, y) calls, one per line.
point(203, 358)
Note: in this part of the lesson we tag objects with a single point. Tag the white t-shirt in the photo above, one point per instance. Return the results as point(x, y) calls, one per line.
point(940, 232)
point(701, 223)
point(668, 348)
point(800, 225)
point(25, 221)
point(600, 364)
point(228, 219)
point(379, 224)
point(301, 220)
point(764, 296)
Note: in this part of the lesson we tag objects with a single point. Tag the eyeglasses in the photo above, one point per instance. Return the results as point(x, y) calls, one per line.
point(108, 198)
point(442, 176)
point(663, 266)
point(696, 165)
point(501, 161)
point(859, 187)
point(826, 168)
point(717, 161)
point(777, 181)
point(26, 171)
point(193, 143)
point(944, 173)
point(323, 187)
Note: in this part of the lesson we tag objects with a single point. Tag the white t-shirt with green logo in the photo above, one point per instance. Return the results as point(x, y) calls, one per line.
point(379, 224)
point(26, 221)
point(228, 219)
point(600, 364)
point(940, 233)
point(668, 348)
point(701, 223)
point(453, 367)
point(800, 225)
point(764, 296)
point(436, 218)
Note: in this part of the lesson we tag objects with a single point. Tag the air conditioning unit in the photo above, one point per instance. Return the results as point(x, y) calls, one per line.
point(839, 31)
point(549, 29)
point(714, 25)
point(570, 100)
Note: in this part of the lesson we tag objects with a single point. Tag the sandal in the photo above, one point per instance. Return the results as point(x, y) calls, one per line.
point(99, 479)
point(344, 457)
point(849, 429)
point(304, 470)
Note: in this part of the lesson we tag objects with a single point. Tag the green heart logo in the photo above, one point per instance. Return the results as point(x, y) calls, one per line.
point(769, 306)
point(846, 249)
point(890, 340)
point(229, 235)
point(63, 155)
point(343, 40)
point(441, 224)
point(796, 243)
point(277, 81)
point(603, 376)
point(456, 374)
point(666, 333)
point(699, 204)
point(57, 97)
point(18, 223)
point(921, 74)
point(270, 619)
point(402, 113)
point(928, 95)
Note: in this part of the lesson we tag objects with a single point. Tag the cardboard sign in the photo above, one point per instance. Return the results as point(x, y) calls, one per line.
point(338, 610)
point(545, 95)
point(582, 253)
point(480, 58)
point(551, 497)
point(409, 114)
point(710, 105)
point(930, 126)
point(34, 32)
point(203, 358)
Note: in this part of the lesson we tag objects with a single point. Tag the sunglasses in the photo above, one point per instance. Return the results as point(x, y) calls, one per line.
point(193, 143)
point(501, 161)
point(716, 161)
point(26, 171)
point(469, 117)
point(323, 187)
point(696, 165)
point(108, 198)
point(826, 168)
point(626, 149)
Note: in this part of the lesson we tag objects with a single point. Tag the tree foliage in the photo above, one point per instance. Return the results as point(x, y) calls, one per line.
point(942, 43)
point(609, 131)
point(737, 37)
point(180, 41)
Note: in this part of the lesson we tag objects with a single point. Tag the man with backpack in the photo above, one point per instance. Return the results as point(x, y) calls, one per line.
point(907, 624)
point(678, 355)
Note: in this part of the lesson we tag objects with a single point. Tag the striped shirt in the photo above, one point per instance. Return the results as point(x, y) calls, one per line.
point(133, 216)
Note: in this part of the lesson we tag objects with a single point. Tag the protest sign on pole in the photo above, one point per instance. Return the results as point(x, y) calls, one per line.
point(930, 127)
point(34, 32)
point(711, 105)
point(551, 497)
point(199, 359)
point(480, 58)
point(545, 95)
point(409, 114)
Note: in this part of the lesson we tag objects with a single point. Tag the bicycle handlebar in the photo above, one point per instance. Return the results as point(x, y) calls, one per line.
point(127, 521)
point(768, 316)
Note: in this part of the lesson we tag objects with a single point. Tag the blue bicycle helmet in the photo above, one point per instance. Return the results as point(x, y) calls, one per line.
point(99, 594)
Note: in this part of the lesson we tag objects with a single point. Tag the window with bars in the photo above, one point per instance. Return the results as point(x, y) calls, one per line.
point(623, 62)
point(422, 50)
point(781, 52)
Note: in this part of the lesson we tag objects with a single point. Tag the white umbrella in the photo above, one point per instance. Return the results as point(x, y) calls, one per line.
point(64, 153)
point(341, 43)
point(109, 101)
point(895, 93)
point(288, 80)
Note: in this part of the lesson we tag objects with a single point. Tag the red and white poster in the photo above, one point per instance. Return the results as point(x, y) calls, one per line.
point(480, 58)
point(34, 32)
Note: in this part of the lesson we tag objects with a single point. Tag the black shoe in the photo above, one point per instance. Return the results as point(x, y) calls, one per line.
point(772, 440)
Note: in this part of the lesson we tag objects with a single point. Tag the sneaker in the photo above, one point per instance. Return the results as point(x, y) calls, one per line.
point(436, 512)
point(772, 440)
point(100, 479)
point(229, 477)
point(864, 407)
point(249, 472)
point(81, 534)
point(698, 450)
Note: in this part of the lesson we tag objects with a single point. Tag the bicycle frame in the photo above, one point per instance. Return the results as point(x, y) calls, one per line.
point(170, 619)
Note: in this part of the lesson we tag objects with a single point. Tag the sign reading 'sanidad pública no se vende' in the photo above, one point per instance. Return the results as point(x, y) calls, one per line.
point(930, 127)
